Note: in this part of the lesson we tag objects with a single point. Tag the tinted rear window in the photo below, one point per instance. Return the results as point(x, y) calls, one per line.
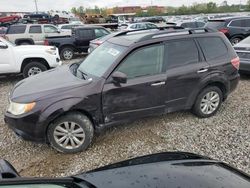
point(16, 29)
point(213, 48)
point(85, 33)
point(35, 29)
point(179, 53)
point(216, 24)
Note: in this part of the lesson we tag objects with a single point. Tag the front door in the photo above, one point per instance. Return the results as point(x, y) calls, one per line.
point(142, 95)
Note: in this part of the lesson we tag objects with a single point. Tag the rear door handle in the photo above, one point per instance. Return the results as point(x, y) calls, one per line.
point(158, 84)
point(202, 70)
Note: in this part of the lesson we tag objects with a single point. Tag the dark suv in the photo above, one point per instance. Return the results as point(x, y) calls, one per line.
point(126, 78)
point(235, 28)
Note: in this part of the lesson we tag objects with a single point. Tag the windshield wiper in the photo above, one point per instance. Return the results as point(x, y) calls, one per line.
point(84, 75)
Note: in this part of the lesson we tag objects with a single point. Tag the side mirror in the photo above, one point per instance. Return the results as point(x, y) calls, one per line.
point(74, 66)
point(7, 171)
point(119, 77)
point(3, 45)
point(58, 31)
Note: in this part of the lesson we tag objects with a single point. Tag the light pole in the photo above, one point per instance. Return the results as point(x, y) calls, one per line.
point(36, 6)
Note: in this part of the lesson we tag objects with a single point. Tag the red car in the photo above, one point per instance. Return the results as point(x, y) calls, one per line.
point(8, 19)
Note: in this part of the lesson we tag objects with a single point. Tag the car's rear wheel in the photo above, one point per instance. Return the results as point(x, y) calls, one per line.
point(208, 102)
point(235, 40)
point(33, 68)
point(71, 133)
point(67, 53)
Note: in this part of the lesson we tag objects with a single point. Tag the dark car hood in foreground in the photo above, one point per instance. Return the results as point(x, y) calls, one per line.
point(166, 170)
point(53, 81)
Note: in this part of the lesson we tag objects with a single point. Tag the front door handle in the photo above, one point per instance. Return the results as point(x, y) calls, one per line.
point(158, 84)
point(202, 70)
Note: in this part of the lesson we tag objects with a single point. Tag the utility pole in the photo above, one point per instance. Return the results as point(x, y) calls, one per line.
point(36, 6)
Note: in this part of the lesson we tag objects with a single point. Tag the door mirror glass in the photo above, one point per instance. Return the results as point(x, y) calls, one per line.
point(119, 77)
point(3, 45)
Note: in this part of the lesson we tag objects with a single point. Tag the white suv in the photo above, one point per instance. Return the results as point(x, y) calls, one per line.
point(28, 60)
point(25, 34)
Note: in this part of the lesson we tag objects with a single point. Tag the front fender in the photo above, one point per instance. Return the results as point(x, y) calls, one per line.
point(58, 108)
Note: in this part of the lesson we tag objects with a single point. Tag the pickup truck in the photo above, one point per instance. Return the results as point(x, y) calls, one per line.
point(27, 34)
point(28, 60)
point(78, 42)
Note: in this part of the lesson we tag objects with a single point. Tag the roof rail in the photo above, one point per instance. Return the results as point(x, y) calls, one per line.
point(136, 31)
point(167, 33)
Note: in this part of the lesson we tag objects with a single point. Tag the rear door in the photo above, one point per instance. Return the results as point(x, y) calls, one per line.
point(186, 68)
point(143, 93)
point(35, 33)
point(83, 37)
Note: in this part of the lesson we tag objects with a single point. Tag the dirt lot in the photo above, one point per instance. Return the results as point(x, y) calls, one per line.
point(225, 136)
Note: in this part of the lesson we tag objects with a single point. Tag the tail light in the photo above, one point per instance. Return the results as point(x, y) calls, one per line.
point(98, 43)
point(236, 63)
point(46, 42)
point(224, 30)
point(5, 37)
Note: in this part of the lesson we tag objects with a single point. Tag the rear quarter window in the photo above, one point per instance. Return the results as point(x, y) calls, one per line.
point(16, 29)
point(214, 24)
point(213, 48)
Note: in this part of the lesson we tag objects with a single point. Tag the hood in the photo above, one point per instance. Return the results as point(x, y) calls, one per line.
point(32, 47)
point(165, 170)
point(242, 45)
point(50, 82)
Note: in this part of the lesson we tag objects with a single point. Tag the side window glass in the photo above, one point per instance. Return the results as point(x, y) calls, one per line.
point(35, 29)
point(180, 53)
point(213, 47)
point(144, 62)
point(50, 29)
point(85, 33)
point(236, 23)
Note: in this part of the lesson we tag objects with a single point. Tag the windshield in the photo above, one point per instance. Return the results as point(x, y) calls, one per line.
point(98, 62)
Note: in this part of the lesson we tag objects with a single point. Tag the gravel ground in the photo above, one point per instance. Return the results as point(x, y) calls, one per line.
point(225, 137)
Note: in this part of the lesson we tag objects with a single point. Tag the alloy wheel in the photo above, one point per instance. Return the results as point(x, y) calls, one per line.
point(33, 71)
point(210, 102)
point(69, 135)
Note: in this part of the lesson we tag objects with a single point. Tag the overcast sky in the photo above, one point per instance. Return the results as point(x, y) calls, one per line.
point(45, 5)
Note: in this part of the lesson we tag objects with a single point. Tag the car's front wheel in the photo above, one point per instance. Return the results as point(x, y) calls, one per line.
point(208, 102)
point(67, 53)
point(33, 68)
point(71, 133)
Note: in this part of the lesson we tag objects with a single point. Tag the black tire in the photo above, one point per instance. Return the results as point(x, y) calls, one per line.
point(36, 66)
point(65, 51)
point(82, 122)
point(197, 106)
point(235, 40)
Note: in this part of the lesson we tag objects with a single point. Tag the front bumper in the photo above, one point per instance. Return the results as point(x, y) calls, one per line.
point(27, 126)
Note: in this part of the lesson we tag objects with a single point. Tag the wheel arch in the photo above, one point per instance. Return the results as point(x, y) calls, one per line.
point(18, 41)
point(26, 61)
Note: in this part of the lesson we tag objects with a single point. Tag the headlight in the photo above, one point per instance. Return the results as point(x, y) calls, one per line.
point(18, 109)
point(51, 51)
